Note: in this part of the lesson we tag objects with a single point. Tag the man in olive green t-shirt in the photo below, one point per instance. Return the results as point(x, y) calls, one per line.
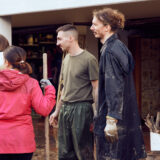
point(80, 80)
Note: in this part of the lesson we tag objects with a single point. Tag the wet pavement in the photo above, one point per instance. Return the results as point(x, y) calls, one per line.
point(40, 140)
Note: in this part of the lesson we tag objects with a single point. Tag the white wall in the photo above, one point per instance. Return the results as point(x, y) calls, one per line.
point(12, 7)
point(6, 28)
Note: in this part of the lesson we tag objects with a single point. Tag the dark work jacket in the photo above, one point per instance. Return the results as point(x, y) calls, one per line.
point(117, 98)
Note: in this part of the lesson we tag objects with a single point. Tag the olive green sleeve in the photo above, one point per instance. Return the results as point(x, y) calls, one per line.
point(93, 68)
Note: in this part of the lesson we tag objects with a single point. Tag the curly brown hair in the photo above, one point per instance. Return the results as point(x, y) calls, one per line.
point(110, 16)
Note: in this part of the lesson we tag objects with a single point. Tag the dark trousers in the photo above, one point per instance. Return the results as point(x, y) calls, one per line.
point(102, 149)
point(75, 136)
point(25, 156)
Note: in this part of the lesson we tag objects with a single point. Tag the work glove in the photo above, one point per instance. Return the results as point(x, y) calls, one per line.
point(45, 82)
point(111, 132)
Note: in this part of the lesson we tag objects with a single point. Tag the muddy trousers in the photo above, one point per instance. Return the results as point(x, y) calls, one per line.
point(102, 149)
point(75, 136)
point(25, 156)
point(117, 151)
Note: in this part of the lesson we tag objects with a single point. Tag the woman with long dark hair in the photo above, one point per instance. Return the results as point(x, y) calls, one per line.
point(18, 94)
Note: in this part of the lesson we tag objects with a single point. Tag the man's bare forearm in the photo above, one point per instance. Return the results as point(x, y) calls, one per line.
point(95, 96)
point(59, 105)
point(95, 92)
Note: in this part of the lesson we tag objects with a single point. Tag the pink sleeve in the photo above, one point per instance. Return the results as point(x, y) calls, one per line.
point(43, 104)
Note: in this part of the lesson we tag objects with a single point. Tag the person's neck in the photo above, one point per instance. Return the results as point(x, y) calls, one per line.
point(5, 66)
point(106, 36)
point(75, 50)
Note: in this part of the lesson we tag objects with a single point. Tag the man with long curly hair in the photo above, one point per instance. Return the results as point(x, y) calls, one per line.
point(117, 124)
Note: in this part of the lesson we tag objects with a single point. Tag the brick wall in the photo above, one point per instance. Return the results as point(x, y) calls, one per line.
point(150, 76)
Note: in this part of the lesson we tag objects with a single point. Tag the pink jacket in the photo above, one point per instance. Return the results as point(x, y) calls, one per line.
point(18, 94)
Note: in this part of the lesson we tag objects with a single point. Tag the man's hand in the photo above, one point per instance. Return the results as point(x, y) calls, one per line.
point(53, 120)
point(110, 130)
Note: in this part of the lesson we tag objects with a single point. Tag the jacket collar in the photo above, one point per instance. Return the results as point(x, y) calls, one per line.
point(109, 40)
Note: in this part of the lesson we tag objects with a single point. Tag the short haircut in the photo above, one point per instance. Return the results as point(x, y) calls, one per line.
point(110, 16)
point(69, 28)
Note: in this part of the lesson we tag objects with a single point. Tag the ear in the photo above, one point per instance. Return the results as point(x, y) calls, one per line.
point(70, 38)
point(7, 64)
point(108, 28)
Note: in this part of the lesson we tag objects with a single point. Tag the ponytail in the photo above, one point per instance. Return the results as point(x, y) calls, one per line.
point(16, 56)
point(23, 67)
